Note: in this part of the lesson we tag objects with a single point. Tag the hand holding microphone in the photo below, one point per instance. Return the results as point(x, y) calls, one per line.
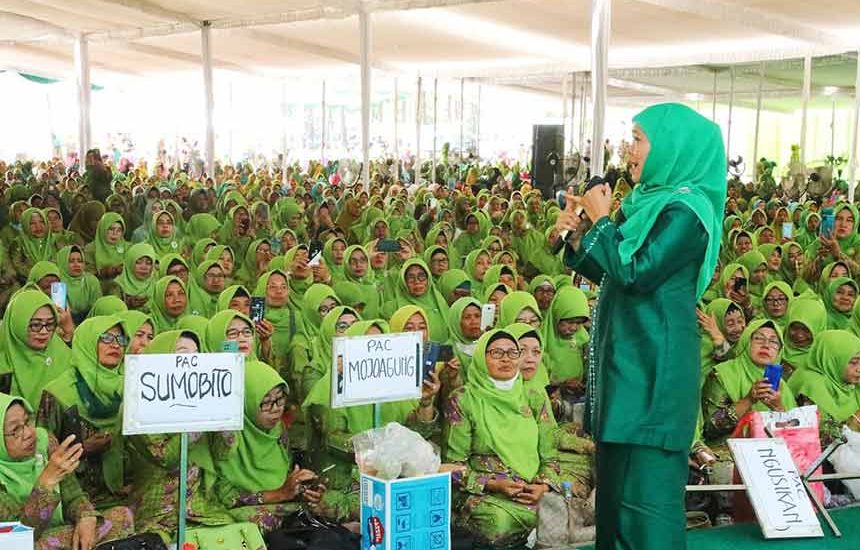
point(581, 211)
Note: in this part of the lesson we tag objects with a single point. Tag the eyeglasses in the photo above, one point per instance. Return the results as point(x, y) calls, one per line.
point(18, 431)
point(416, 278)
point(323, 310)
point(533, 321)
point(233, 333)
point(775, 301)
point(277, 288)
point(501, 353)
point(39, 326)
point(214, 276)
point(439, 261)
point(341, 326)
point(111, 338)
point(275, 403)
point(177, 271)
point(358, 261)
point(769, 342)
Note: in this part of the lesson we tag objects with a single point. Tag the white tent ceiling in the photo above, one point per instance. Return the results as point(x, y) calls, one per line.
point(524, 43)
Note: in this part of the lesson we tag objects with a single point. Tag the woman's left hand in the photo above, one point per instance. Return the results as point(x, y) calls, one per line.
point(597, 202)
point(430, 388)
point(313, 495)
point(84, 537)
point(453, 364)
point(65, 322)
point(531, 494)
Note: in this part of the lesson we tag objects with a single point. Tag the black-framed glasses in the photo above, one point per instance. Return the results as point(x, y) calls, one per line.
point(769, 342)
point(234, 333)
point(512, 354)
point(276, 403)
point(776, 301)
point(39, 326)
point(111, 338)
point(416, 277)
point(18, 431)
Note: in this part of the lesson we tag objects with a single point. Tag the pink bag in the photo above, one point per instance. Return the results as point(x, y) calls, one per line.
point(798, 427)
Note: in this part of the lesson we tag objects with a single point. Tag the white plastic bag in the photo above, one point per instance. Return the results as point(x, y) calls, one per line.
point(846, 460)
point(394, 451)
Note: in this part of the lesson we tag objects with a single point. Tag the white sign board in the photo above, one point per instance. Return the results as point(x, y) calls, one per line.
point(775, 488)
point(188, 392)
point(376, 369)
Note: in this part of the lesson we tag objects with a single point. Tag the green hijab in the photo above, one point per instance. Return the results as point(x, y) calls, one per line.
point(450, 280)
point(751, 261)
point(202, 226)
point(82, 291)
point(287, 320)
point(727, 274)
point(198, 251)
point(127, 282)
point(36, 249)
point(31, 370)
point(248, 273)
point(107, 254)
point(369, 291)
point(513, 304)
point(789, 295)
point(228, 294)
point(687, 164)
point(463, 347)
point(96, 391)
point(314, 298)
point(837, 320)
point(470, 267)
point(201, 301)
point(738, 375)
point(133, 320)
point(811, 313)
point(42, 269)
point(19, 477)
point(216, 252)
point(563, 357)
point(822, 380)
point(539, 281)
point(540, 380)
point(431, 302)
point(336, 270)
point(298, 286)
point(498, 416)
point(108, 305)
point(163, 321)
point(162, 245)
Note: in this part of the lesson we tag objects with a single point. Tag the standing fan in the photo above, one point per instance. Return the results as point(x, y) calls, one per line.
point(820, 181)
point(737, 167)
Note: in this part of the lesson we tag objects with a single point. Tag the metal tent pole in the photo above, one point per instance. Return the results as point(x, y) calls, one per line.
point(731, 111)
point(855, 125)
point(435, 120)
point(761, 71)
point(209, 92)
point(807, 94)
point(418, 123)
point(601, 20)
point(82, 73)
point(365, 44)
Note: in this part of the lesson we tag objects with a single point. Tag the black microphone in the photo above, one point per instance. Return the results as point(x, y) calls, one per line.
point(595, 181)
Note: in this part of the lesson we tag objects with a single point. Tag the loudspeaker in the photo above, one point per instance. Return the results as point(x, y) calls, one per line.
point(547, 157)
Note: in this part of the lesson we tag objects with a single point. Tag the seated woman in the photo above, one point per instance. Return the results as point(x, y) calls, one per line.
point(722, 323)
point(830, 382)
point(520, 307)
point(140, 328)
point(169, 303)
point(86, 400)
point(33, 244)
point(155, 466)
point(504, 439)
point(437, 258)
point(138, 276)
point(357, 270)
point(209, 283)
point(333, 254)
point(163, 235)
point(283, 322)
point(337, 427)
point(756, 265)
point(566, 340)
point(256, 262)
point(414, 288)
point(235, 297)
point(806, 318)
point(62, 236)
point(82, 287)
point(455, 284)
point(575, 448)
point(777, 298)
point(107, 251)
point(738, 386)
point(256, 479)
point(464, 320)
point(41, 490)
point(839, 301)
point(225, 256)
point(543, 289)
point(32, 354)
point(476, 265)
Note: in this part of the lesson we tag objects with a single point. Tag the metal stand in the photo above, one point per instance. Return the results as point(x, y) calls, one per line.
point(183, 488)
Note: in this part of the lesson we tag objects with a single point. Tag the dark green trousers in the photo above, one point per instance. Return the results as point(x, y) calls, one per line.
point(640, 498)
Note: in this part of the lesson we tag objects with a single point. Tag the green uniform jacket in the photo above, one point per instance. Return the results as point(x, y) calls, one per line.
point(646, 391)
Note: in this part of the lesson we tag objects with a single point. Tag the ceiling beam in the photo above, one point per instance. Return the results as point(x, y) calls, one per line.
point(191, 59)
point(26, 49)
point(153, 9)
point(751, 18)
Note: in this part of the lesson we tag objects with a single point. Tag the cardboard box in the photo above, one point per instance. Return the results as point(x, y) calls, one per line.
point(406, 514)
point(20, 537)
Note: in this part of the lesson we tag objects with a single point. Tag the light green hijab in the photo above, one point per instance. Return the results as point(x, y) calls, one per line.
point(158, 310)
point(36, 249)
point(228, 294)
point(108, 305)
point(497, 415)
point(450, 280)
point(81, 291)
point(822, 380)
point(513, 304)
point(563, 357)
point(314, 298)
point(201, 300)
point(837, 320)
point(540, 380)
point(127, 281)
point(431, 302)
point(810, 313)
point(19, 477)
point(463, 347)
point(369, 290)
point(107, 254)
point(163, 245)
point(31, 370)
point(789, 295)
point(687, 164)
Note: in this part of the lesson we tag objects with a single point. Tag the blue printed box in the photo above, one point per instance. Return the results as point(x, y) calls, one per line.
point(406, 514)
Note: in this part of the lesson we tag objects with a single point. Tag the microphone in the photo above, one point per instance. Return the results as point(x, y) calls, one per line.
point(595, 181)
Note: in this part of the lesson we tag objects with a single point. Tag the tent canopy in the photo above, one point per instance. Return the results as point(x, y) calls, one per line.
point(524, 43)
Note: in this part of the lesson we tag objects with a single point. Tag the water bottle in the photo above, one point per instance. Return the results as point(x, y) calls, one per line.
point(567, 489)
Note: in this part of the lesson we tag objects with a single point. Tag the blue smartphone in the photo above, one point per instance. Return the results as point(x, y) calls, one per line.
point(773, 373)
point(787, 230)
point(828, 222)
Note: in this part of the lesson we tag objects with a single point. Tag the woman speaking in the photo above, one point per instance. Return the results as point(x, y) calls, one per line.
point(653, 264)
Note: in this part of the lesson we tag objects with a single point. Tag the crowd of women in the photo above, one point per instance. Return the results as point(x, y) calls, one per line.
point(172, 265)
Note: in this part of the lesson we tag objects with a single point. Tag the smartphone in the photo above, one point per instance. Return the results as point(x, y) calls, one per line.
point(488, 316)
point(315, 259)
point(58, 294)
point(388, 245)
point(431, 357)
point(585, 287)
point(314, 249)
point(773, 373)
point(446, 353)
point(277, 247)
point(230, 346)
point(258, 308)
point(740, 284)
point(787, 230)
point(828, 222)
point(561, 197)
point(71, 425)
point(6, 383)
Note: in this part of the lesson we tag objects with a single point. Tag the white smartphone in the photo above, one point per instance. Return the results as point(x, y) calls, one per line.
point(58, 294)
point(488, 316)
point(315, 261)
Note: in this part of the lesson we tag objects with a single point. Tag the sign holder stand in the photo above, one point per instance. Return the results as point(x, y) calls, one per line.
point(183, 489)
point(377, 415)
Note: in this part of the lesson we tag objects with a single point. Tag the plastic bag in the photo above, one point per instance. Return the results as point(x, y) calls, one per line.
point(395, 451)
point(846, 460)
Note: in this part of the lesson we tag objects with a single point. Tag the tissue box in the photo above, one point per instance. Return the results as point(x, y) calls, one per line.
point(15, 536)
point(406, 514)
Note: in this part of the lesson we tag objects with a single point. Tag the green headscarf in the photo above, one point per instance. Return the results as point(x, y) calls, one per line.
point(463, 347)
point(216, 252)
point(96, 391)
point(108, 305)
point(470, 268)
point(36, 249)
point(288, 321)
point(687, 164)
point(162, 245)
point(751, 261)
point(81, 291)
point(198, 251)
point(499, 416)
point(107, 254)
point(19, 477)
point(837, 320)
point(431, 302)
point(298, 286)
point(539, 281)
point(337, 271)
point(727, 274)
point(163, 321)
point(322, 357)
point(810, 313)
point(369, 291)
point(42, 269)
point(201, 301)
point(822, 380)
point(201, 226)
point(31, 370)
point(789, 294)
point(563, 357)
point(450, 280)
point(738, 375)
point(314, 298)
point(127, 282)
point(228, 294)
point(513, 304)
point(248, 273)
point(133, 320)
